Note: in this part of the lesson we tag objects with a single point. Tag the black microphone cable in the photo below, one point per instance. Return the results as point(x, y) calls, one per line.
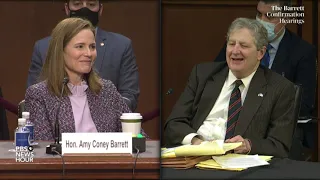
point(135, 162)
point(63, 163)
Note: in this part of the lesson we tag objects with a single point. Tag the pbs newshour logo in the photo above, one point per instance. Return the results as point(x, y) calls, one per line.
point(24, 154)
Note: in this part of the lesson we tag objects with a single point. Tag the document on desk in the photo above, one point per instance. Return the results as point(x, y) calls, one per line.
point(242, 162)
point(212, 164)
point(167, 153)
point(204, 149)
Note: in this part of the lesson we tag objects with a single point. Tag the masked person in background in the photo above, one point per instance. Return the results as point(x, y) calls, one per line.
point(290, 56)
point(115, 57)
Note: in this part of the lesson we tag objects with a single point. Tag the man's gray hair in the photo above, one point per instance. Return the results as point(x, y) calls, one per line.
point(280, 2)
point(258, 31)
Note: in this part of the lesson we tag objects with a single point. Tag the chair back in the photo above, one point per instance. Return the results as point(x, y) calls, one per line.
point(297, 101)
point(4, 129)
point(296, 147)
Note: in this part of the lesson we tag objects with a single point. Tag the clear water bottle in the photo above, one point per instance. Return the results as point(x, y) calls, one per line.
point(29, 125)
point(22, 133)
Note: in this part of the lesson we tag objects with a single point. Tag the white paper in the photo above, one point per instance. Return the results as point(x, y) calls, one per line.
point(304, 120)
point(168, 150)
point(240, 162)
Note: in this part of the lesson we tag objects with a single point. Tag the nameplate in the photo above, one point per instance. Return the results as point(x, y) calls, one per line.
point(82, 143)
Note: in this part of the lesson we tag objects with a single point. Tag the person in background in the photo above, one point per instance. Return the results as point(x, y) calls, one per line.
point(89, 103)
point(255, 103)
point(115, 57)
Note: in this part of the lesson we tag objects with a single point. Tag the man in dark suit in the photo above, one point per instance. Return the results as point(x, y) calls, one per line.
point(291, 57)
point(115, 57)
point(255, 103)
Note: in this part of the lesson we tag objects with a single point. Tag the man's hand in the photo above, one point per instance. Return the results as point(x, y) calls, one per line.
point(245, 147)
point(196, 141)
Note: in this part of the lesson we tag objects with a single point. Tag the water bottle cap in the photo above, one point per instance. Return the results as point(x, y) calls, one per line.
point(25, 114)
point(21, 120)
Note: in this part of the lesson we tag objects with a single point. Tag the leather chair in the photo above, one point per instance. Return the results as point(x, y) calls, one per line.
point(4, 129)
point(150, 115)
point(296, 147)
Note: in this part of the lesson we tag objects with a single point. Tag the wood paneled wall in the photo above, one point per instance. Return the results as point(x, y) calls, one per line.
point(24, 22)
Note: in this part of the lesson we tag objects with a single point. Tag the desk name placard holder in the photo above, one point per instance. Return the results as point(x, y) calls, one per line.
point(96, 146)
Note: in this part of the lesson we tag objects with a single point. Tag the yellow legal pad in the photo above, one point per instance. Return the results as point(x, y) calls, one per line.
point(204, 149)
point(212, 164)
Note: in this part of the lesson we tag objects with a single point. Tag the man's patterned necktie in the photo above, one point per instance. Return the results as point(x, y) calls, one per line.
point(235, 107)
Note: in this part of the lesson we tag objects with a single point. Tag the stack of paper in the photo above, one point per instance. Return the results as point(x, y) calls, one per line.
point(168, 153)
point(234, 162)
point(188, 156)
point(183, 162)
point(204, 149)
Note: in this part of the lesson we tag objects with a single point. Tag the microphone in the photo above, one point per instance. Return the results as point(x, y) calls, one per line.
point(55, 148)
point(170, 91)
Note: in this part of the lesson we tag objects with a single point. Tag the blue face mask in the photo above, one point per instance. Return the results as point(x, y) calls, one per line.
point(270, 28)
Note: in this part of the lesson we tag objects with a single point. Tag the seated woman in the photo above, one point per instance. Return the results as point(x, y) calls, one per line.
point(88, 103)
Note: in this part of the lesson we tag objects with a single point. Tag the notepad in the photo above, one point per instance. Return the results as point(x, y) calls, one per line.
point(168, 153)
point(204, 149)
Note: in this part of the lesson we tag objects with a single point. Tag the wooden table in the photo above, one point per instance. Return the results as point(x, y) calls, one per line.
point(51, 167)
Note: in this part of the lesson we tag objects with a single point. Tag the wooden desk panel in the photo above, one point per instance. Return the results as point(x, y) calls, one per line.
point(51, 167)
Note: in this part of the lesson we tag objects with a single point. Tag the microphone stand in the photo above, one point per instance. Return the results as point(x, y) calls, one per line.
point(55, 147)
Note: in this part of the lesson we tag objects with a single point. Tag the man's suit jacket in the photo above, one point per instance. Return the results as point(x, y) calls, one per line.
point(105, 108)
point(296, 60)
point(267, 121)
point(115, 61)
